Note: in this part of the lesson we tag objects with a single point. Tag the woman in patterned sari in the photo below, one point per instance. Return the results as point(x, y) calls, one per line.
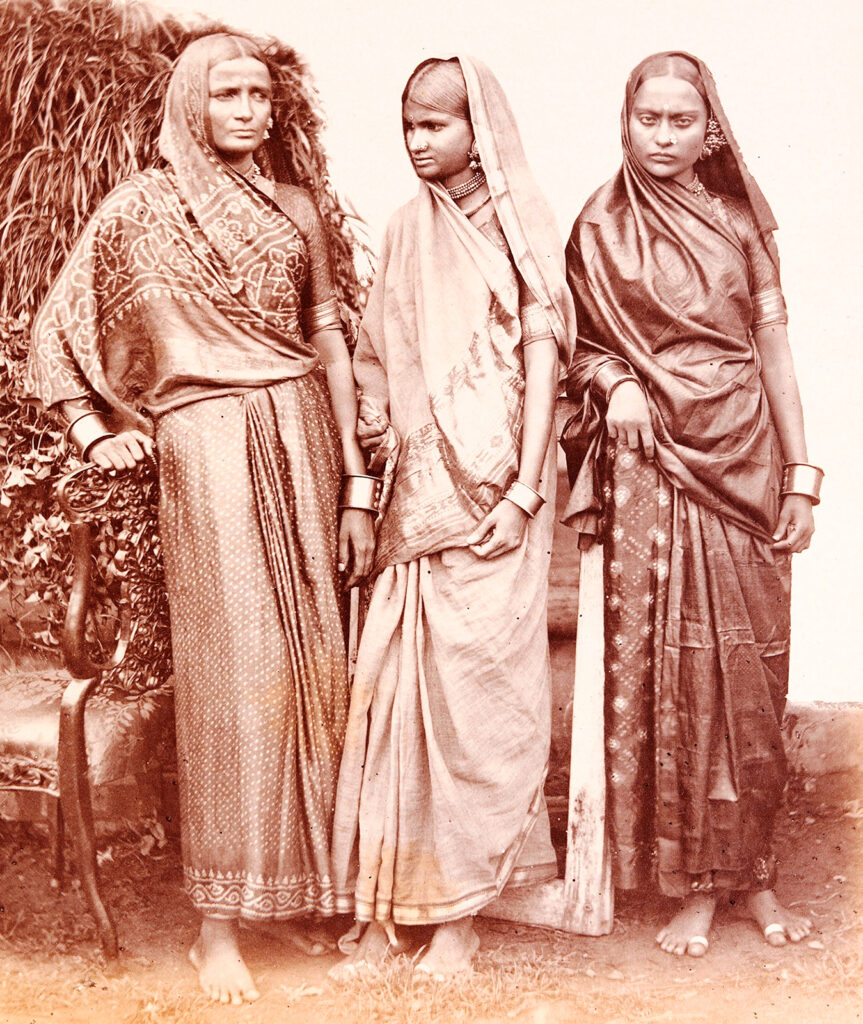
point(690, 461)
point(200, 298)
point(440, 797)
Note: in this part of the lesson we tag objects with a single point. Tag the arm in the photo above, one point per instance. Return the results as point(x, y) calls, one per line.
point(322, 327)
point(88, 431)
point(796, 523)
point(503, 528)
point(356, 526)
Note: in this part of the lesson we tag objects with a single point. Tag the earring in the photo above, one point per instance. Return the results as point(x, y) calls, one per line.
point(267, 129)
point(474, 157)
point(714, 139)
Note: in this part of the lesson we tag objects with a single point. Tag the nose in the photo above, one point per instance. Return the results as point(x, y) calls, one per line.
point(417, 142)
point(244, 106)
point(664, 135)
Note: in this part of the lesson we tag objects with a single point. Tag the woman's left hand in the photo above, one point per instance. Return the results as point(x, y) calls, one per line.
point(796, 524)
point(356, 544)
point(502, 530)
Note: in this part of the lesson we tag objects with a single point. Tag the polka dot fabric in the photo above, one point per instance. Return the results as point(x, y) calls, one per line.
point(249, 526)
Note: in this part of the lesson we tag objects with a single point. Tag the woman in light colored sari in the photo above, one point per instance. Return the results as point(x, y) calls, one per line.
point(690, 409)
point(200, 298)
point(440, 797)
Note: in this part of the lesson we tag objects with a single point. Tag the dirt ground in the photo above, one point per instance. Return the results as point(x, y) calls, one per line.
point(51, 969)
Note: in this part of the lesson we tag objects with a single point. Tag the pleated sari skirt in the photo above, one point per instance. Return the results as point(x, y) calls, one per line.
point(440, 802)
point(248, 520)
point(697, 629)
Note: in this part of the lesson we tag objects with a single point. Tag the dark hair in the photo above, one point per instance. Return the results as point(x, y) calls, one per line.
point(439, 84)
point(675, 65)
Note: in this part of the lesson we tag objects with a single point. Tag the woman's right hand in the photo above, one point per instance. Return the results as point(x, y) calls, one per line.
point(628, 417)
point(123, 450)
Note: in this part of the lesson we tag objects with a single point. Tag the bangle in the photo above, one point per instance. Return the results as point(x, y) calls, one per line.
point(801, 478)
point(608, 376)
point(87, 430)
point(525, 497)
point(617, 383)
point(360, 492)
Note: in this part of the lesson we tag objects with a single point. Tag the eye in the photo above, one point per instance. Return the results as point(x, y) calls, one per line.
point(646, 119)
point(683, 122)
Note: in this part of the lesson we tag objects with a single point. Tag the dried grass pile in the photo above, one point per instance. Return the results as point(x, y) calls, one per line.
point(81, 87)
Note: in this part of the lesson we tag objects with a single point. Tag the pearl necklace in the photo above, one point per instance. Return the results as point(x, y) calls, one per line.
point(465, 189)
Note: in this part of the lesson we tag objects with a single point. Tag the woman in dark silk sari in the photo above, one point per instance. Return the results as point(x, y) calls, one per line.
point(689, 463)
point(200, 298)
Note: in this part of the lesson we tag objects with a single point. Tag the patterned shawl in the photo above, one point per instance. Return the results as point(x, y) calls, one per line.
point(439, 351)
point(663, 287)
point(186, 282)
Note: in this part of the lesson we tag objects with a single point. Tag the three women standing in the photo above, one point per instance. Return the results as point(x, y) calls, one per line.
point(440, 799)
point(201, 296)
point(691, 467)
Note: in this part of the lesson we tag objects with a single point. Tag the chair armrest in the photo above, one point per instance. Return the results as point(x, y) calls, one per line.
point(74, 643)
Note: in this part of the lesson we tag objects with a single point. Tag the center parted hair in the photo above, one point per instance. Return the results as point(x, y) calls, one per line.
point(673, 65)
point(439, 84)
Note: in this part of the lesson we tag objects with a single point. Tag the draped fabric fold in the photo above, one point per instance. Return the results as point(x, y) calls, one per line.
point(651, 267)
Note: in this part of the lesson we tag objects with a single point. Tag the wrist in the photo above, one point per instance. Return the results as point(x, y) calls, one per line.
point(524, 496)
point(803, 479)
point(609, 377)
point(360, 491)
point(86, 431)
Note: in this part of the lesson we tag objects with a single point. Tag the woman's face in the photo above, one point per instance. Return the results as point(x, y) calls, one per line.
point(438, 144)
point(240, 106)
point(666, 127)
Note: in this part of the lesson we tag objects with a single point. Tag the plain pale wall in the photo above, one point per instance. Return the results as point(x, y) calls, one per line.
point(789, 77)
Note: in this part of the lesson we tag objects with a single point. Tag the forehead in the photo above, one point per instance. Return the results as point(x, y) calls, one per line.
point(417, 112)
point(670, 92)
point(239, 70)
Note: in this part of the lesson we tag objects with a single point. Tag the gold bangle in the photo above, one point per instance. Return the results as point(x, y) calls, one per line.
point(360, 492)
point(87, 430)
point(525, 497)
point(801, 478)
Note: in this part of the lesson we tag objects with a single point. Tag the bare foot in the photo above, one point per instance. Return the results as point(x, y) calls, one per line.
point(372, 950)
point(777, 923)
point(688, 930)
point(222, 973)
point(451, 951)
point(308, 936)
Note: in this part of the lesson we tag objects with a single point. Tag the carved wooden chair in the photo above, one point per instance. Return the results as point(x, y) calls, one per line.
point(109, 714)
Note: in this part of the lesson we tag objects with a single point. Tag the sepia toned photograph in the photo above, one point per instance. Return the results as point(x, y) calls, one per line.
point(411, 421)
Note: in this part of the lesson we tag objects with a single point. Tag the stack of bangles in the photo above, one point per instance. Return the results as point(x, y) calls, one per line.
point(87, 430)
point(525, 497)
point(801, 478)
point(360, 491)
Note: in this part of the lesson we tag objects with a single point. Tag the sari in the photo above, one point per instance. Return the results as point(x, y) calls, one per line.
point(184, 304)
point(669, 286)
point(440, 796)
